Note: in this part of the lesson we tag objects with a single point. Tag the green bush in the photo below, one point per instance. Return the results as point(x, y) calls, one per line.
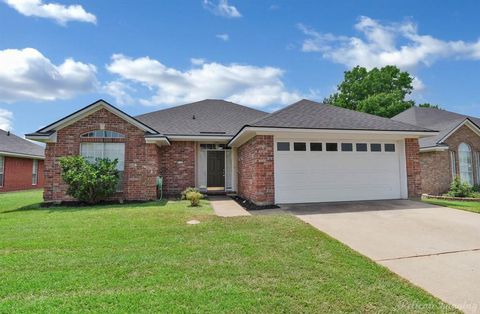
point(89, 182)
point(460, 189)
point(186, 191)
point(194, 198)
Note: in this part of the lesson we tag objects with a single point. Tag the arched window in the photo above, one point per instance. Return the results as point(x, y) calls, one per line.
point(102, 134)
point(465, 163)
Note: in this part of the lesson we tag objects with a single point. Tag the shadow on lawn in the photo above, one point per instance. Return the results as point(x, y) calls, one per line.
point(84, 207)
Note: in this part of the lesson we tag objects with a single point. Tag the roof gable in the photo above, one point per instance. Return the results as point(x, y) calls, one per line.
point(446, 122)
point(99, 104)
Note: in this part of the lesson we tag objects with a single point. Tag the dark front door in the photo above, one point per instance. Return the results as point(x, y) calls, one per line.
point(216, 168)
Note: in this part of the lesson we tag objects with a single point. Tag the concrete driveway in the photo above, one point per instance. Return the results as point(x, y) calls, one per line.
point(436, 248)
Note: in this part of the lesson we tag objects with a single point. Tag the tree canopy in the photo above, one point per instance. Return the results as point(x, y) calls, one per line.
point(382, 92)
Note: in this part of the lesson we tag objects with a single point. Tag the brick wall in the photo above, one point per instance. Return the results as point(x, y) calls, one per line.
point(18, 174)
point(436, 174)
point(436, 166)
point(256, 170)
point(414, 178)
point(177, 167)
point(141, 159)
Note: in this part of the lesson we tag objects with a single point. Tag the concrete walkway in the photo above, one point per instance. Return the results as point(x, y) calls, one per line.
point(436, 248)
point(224, 206)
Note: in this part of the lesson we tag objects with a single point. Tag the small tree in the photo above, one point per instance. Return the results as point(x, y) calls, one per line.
point(89, 182)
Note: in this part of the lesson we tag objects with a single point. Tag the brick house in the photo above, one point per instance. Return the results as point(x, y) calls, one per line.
point(454, 151)
point(21, 163)
point(306, 152)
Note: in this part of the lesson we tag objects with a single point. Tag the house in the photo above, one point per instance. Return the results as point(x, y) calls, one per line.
point(306, 152)
point(454, 151)
point(21, 163)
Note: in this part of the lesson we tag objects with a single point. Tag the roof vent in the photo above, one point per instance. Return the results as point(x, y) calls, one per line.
point(193, 117)
point(8, 133)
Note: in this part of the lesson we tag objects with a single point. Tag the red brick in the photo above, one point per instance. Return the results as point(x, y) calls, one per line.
point(256, 170)
point(414, 177)
point(18, 174)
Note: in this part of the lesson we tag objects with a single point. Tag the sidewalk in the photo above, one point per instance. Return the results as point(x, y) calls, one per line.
point(224, 206)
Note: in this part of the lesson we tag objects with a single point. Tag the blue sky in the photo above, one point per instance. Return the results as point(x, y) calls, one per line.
point(56, 57)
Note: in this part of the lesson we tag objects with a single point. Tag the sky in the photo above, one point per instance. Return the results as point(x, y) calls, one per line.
point(59, 56)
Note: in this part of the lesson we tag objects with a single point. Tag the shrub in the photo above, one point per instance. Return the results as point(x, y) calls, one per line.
point(194, 197)
point(89, 182)
point(186, 191)
point(460, 189)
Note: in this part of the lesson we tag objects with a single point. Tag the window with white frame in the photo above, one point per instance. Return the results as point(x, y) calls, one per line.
point(2, 170)
point(35, 172)
point(102, 134)
point(465, 163)
point(93, 151)
point(477, 164)
point(453, 164)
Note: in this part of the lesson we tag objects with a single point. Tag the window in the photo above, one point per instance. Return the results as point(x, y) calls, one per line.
point(465, 163)
point(347, 147)
point(331, 147)
point(453, 164)
point(283, 146)
point(93, 151)
point(35, 172)
point(299, 147)
point(315, 147)
point(375, 147)
point(361, 147)
point(102, 134)
point(2, 170)
point(390, 148)
point(477, 163)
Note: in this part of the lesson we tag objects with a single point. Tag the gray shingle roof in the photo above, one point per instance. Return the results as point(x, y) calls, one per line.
point(16, 145)
point(206, 117)
point(313, 115)
point(432, 118)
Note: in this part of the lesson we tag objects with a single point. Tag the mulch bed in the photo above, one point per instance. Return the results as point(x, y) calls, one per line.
point(450, 198)
point(251, 206)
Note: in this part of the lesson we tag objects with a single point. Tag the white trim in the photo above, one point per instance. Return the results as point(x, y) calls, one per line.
point(35, 172)
point(246, 133)
point(160, 141)
point(466, 122)
point(199, 138)
point(52, 138)
point(433, 149)
point(92, 109)
point(9, 154)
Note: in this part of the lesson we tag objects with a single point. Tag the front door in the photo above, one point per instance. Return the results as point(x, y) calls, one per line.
point(215, 169)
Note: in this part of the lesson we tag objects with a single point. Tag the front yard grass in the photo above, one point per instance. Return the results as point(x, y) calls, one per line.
point(469, 206)
point(145, 258)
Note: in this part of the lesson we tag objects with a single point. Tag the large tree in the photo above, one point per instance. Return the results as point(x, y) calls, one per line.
point(381, 92)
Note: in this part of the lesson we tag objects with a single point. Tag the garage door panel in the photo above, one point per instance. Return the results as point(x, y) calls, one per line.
point(336, 176)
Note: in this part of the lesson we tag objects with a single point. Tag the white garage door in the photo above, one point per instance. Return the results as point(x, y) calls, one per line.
point(336, 171)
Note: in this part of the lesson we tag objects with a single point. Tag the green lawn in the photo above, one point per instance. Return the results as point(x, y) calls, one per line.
point(470, 206)
point(145, 258)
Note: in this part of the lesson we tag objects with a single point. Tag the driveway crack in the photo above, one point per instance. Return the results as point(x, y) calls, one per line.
point(426, 255)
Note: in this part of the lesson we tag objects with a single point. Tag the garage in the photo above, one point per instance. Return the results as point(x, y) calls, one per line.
point(345, 170)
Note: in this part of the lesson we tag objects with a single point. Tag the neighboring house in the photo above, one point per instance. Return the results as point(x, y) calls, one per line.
point(21, 163)
point(306, 152)
point(454, 151)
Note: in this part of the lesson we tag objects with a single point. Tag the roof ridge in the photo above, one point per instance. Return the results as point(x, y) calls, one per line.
point(200, 101)
point(275, 112)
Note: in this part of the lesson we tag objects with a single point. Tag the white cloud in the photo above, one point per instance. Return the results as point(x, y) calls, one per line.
point(246, 84)
point(222, 8)
point(26, 74)
point(58, 12)
point(197, 61)
point(386, 44)
point(120, 91)
point(224, 37)
point(6, 119)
